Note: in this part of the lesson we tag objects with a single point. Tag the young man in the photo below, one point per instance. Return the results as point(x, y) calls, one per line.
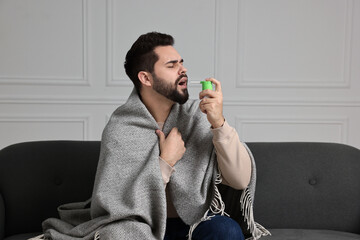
point(161, 85)
point(161, 158)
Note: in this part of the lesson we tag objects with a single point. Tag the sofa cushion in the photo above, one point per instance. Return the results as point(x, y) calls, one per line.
point(37, 177)
point(300, 234)
point(307, 186)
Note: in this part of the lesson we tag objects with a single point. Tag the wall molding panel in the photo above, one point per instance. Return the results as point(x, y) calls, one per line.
point(72, 100)
point(83, 120)
point(288, 127)
point(58, 80)
point(293, 81)
point(38, 128)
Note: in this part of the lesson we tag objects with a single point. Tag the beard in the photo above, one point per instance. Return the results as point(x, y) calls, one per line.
point(169, 90)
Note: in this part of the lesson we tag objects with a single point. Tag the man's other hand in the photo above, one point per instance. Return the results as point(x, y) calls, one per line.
point(172, 147)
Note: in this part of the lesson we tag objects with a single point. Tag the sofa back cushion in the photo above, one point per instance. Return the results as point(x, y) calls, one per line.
point(37, 177)
point(307, 185)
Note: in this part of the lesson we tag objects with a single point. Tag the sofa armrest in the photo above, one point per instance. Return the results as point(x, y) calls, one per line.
point(2, 217)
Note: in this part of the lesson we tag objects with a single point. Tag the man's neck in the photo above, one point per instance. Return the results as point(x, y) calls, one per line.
point(158, 105)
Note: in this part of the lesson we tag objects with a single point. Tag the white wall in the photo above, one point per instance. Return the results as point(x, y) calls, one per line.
point(290, 70)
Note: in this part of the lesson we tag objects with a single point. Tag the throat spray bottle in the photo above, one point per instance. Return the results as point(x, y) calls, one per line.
point(206, 85)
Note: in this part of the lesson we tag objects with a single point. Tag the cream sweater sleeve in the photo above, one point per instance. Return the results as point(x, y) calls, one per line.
point(165, 168)
point(166, 171)
point(233, 159)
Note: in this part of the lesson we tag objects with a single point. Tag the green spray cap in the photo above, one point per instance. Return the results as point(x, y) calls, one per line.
point(206, 85)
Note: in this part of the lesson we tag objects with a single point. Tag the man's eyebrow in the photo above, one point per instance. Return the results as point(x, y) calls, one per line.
point(175, 61)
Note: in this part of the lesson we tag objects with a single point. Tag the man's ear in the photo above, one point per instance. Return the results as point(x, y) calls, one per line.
point(145, 78)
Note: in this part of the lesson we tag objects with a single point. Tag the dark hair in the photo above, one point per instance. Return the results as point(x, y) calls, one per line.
point(141, 56)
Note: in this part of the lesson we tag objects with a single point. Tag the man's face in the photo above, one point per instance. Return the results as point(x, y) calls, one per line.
point(169, 77)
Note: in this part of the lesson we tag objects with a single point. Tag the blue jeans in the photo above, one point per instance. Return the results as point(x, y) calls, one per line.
point(218, 228)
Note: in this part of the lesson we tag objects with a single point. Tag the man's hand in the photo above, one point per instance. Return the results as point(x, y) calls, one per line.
point(172, 147)
point(212, 104)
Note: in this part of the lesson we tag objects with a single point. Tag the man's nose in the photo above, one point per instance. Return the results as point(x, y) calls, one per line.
point(182, 69)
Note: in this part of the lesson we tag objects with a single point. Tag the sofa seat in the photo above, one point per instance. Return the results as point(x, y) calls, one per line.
point(23, 236)
point(276, 234)
point(307, 234)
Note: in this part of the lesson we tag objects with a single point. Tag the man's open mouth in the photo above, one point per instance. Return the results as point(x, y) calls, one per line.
point(183, 82)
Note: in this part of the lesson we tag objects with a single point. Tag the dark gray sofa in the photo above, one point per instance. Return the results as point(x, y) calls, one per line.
point(305, 191)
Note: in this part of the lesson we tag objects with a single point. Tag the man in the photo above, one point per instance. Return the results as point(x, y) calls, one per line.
point(161, 158)
point(162, 86)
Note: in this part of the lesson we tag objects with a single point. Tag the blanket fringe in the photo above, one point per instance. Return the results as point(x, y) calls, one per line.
point(246, 204)
point(37, 237)
point(192, 227)
point(217, 207)
point(97, 235)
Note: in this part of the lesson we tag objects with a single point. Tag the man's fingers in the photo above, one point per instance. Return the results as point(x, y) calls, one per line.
point(174, 131)
point(216, 83)
point(207, 93)
point(202, 108)
point(161, 135)
point(210, 93)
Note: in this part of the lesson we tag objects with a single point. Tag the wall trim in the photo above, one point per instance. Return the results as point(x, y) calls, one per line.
point(112, 100)
point(295, 103)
